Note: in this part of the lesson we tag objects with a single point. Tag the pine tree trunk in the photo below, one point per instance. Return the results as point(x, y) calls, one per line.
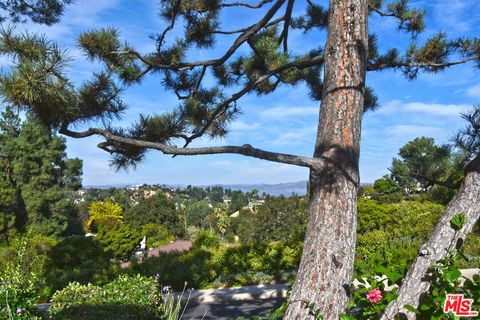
point(416, 283)
point(326, 268)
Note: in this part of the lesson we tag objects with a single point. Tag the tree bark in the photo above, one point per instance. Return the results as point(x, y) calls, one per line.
point(325, 272)
point(444, 238)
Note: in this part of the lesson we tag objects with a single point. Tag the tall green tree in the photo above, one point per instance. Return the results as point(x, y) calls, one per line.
point(36, 173)
point(424, 164)
point(158, 209)
point(257, 61)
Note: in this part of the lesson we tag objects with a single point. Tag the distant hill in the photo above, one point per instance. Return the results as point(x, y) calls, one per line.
point(286, 189)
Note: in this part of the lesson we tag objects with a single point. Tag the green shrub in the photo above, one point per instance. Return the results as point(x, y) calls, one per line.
point(370, 242)
point(234, 265)
point(125, 298)
point(120, 240)
point(19, 290)
point(79, 259)
point(206, 239)
point(471, 249)
point(156, 234)
point(412, 219)
point(371, 215)
point(174, 269)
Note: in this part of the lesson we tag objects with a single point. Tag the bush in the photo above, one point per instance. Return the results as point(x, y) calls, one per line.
point(156, 234)
point(242, 264)
point(206, 239)
point(174, 269)
point(369, 243)
point(120, 240)
point(19, 290)
point(79, 259)
point(125, 298)
point(412, 219)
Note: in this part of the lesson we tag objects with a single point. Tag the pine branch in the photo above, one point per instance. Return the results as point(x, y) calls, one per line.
point(422, 65)
point(432, 182)
point(214, 62)
point(246, 149)
point(286, 24)
point(221, 108)
point(271, 23)
point(161, 38)
point(243, 4)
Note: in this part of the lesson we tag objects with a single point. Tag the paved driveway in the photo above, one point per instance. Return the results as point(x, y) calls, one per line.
point(224, 310)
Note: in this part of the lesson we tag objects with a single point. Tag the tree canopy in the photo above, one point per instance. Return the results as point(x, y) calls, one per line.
point(36, 173)
point(40, 11)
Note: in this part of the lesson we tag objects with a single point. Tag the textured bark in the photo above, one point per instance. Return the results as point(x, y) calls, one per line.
point(326, 268)
point(443, 238)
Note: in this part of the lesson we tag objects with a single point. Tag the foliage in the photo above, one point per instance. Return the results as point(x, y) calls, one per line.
point(424, 163)
point(412, 219)
point(386, 185)
point(276, 314)
point(371, 215)
point(19, 289)
point(80, 259)
point(36, 174)
point(239, 200)
point(207, 239)
point(278, 219)
point(219, 220)
point(197, 212)
point(446, 279)
point(204, 267)
point(133, 297)
point(390, 234)
point(157, 209)
point(174, 269)
point(44, 12)
point(471, 249)
point(370, 278)
point(156, 234)
point(121, 240)
point(103, 215)
point(370, 242)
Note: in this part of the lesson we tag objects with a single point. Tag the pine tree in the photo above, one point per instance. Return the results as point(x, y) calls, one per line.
point(334, 73)
point(40, 11)
point(35, 176)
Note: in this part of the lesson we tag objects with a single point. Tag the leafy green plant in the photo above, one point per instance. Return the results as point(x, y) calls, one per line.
point(78, 259)
point(446, 279)
point(458, 221)
point(370, 297)
point(207, 239)
point(134, 297)
point(19, 289)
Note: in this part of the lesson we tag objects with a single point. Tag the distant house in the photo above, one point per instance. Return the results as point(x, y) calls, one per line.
point(255, 203)
point(236, 214)
point(227, 200)
point(175, 246)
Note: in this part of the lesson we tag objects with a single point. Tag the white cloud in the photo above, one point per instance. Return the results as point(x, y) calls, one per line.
point(456, 15)
point(474, 91)
point(414, 130)
point(244, 126)
point(435, 109)
point(296, 137)
point(284, 112)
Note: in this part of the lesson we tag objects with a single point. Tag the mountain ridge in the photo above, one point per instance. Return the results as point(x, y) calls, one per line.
point(276, 189)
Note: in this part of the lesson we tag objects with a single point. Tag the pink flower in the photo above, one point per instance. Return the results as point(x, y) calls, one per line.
point(374, 295)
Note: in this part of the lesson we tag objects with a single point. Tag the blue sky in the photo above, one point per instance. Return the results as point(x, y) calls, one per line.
point(286, 120)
